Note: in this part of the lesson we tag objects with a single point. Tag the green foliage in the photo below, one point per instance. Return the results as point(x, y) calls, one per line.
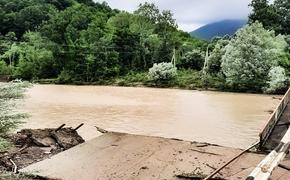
point(274, 16)
point(191, 60)
point(250, 55)
point(4, 144)
point(64, 77)
point(19, 176)
point(215, 57)
point(162, 72)
point(35, 60)
point(188, 79)
point(80, 40)
point(87, 42)
point(9, 117)
point(277, 80)
point(5, 69)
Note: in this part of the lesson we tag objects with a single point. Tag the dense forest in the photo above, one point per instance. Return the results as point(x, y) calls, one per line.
point(86, 42)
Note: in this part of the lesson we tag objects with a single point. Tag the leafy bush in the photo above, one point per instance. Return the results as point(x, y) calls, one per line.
point(249, 57)
point(4, 68)
point(35, 61)
point(215, 58)
point(64, 77)
point(162, 72)
point(191, 60)
point(9, 117)
point(189, 79)
point(277, 80)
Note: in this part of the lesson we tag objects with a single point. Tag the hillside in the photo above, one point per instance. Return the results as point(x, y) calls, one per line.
point(220, 28)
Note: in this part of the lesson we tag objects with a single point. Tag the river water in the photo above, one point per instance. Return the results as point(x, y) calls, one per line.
point(228, 119)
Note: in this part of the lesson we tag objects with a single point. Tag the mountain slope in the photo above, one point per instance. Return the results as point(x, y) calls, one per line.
point(220, 28)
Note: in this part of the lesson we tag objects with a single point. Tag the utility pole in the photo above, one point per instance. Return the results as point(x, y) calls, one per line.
point(173, 60)
point(205, 61)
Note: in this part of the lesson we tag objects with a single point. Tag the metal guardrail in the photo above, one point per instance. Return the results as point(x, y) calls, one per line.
point(265, 168)
point(264, 135)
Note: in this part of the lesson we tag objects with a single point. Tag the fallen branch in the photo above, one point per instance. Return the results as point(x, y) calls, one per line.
point(59, 128)
point(23, 148)
point(101, 130)
point(15, 166)
point(284, 167)
point(190, 176)
point(210, 166)
point(205, 152)
point(202, 145)
point(79, 126)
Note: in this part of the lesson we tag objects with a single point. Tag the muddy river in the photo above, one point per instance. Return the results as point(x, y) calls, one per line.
point(229, 119)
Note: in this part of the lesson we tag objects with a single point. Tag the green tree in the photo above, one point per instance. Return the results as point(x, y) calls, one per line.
point(148, 10)
point(35, 59)
point(191, 60)
point(215, 57)
point(100, 58)
point(282, 7)
point(273, 16)
point(250, 55)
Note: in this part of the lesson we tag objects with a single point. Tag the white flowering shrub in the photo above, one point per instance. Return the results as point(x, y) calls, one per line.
point(277, 80)
point(250, 55)
point(162, 71)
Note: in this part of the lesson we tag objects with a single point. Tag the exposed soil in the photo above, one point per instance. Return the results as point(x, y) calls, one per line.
point(31, 146)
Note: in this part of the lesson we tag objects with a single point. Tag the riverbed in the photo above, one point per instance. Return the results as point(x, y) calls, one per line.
point(228, 119)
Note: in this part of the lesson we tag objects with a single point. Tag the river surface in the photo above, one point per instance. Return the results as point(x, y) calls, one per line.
point(228, 119)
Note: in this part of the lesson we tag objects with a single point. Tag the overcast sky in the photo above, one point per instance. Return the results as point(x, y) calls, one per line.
point(191, 14)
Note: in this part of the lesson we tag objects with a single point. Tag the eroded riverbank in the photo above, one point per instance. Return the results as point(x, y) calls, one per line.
point(229, 119)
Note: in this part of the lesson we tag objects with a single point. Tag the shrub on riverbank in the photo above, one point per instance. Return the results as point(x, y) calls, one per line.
point(277, 80)
point(10, 118)
point(5, 69)
point(162, 72)
point(250, 55)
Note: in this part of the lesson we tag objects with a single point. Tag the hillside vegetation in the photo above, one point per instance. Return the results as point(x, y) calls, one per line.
point(85, 42)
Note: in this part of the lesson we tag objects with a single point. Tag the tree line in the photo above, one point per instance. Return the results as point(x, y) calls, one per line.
point(87, 41)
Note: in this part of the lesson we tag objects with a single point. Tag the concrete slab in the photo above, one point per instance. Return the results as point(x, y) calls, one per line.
point(124, 156)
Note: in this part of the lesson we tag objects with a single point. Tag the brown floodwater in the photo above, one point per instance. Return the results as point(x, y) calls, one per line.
point(229, 119)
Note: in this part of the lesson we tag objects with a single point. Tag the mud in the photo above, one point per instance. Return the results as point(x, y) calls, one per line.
point(31, 146)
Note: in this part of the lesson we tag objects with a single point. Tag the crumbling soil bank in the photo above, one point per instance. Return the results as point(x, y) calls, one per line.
point(30, 146)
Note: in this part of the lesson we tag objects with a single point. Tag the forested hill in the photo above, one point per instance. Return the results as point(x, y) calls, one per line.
point(84, 40)
point(221, 28)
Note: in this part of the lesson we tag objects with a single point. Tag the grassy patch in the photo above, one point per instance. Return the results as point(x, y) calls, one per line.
point(4, 144)
point(12, 176)
point(188, 79)
point(185, 79)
